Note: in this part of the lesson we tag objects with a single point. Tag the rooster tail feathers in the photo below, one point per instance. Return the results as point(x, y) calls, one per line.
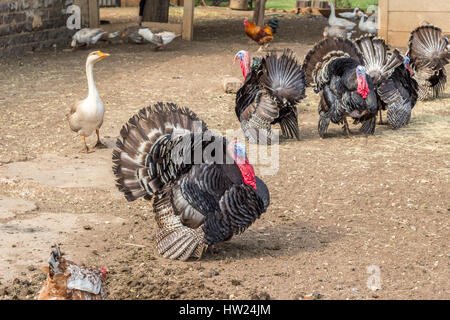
point(428, 47)
point(54, 261)
point(273, 23)
point(324, 51)
point(283, 77)
point(146, 136)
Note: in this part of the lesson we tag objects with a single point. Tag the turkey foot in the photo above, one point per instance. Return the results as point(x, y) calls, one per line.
point(381, 119)
point(346, 129)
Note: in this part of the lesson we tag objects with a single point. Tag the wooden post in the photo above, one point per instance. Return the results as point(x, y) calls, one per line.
point(383, 19)
point(258, 12)
point(188, 20)
point(94, 14)
point(156, 11)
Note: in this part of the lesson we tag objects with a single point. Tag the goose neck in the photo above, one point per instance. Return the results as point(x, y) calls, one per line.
point(90, 79)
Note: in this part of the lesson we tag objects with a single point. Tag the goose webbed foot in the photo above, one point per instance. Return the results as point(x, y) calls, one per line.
point(99, 144)
point(85, 149)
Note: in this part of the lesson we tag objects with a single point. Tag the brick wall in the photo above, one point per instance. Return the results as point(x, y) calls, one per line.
point(29, 24)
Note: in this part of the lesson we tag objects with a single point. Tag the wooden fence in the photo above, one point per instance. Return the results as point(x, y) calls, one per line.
point(397, 18)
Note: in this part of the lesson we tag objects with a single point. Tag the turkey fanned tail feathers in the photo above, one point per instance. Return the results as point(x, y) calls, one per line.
point(429, 54)
point(378, 64)
point(269, 96)
point(195, 204)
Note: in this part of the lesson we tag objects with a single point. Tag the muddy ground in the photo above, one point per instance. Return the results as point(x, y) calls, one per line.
point(338, 205)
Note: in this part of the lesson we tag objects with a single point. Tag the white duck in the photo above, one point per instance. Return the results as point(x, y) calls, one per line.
point(367, 26)
point(336, 32)
point(87, 36)
point(349, 15)
point(87, 115)
point(333, 21)
point(160, 39)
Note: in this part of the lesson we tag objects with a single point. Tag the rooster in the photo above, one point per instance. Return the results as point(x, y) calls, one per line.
point(271, 90)
point(393, 84)
point(429, 54)
point(262, 36)
point(68, 281)
point(336, 67)
point(204, 189)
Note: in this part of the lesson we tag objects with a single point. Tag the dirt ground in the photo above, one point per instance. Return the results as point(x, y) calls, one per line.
point(338, 205)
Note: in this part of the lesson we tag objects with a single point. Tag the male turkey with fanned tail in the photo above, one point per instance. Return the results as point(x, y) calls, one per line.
point(396, 90)
point(272, 88)
point(336, 67)
point(429, 54)
point(204, 189)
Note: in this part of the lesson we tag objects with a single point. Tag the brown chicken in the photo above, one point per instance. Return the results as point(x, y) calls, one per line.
point(263, 36)
point(68, 281)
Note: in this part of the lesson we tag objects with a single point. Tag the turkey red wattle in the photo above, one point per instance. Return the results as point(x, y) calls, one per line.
point(237, 151)
point(244, 62)
point(363, 87)
point(248, 173)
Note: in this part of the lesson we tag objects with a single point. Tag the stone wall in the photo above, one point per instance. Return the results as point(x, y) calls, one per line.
point(26, 25)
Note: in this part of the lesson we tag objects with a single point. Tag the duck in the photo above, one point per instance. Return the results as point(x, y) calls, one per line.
point(160, 38)
point(367, 26)
point(87, 36)
point(336, 32)
point(140, 35)
point(349, 15)
point(334, 21)
point(86, 116)
point(132, 35)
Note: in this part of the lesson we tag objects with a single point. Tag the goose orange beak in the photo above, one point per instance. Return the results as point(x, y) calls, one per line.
point(103, 55)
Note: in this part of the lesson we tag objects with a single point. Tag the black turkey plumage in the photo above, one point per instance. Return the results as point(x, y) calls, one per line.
point(429, 54)
point(204, 189)
point(336, 67)
point(272, 88)
point(399, 95)
point(393, 84)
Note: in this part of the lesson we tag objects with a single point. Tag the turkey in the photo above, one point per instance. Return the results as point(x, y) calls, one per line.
point(381, 66)
point(204, 189)
point(399, 94)
point(429, 53)
point(336, 67)
point(272, 87)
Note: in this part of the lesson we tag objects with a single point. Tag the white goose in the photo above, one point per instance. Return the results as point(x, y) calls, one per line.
point(333, 21)
point(349, 15)
point(87, 36)
point(87, 115)
point(367, 26)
